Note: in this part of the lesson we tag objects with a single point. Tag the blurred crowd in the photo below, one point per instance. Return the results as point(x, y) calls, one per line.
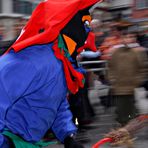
point(126, 53)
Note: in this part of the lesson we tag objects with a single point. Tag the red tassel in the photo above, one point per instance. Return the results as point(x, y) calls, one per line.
point(73, 85)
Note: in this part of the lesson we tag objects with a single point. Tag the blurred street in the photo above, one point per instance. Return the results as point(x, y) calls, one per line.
point(103, 123)
point(87, 57)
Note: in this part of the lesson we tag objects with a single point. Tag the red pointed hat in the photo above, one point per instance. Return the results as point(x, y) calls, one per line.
point(47, 21)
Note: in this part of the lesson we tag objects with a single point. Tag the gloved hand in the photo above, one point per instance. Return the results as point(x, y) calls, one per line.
point(70, 142)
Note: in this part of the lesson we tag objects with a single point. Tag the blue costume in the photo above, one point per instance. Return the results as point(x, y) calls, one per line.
point(40, 68)
point(31, 106)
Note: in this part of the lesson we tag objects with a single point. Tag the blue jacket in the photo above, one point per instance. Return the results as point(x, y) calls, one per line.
point(33, 94)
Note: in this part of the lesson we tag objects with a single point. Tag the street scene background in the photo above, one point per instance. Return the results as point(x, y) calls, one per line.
point(109, 19)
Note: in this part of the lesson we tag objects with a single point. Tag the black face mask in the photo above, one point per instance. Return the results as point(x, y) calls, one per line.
point(76, 30)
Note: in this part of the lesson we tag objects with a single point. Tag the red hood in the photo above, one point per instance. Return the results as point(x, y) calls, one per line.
point(50, 16)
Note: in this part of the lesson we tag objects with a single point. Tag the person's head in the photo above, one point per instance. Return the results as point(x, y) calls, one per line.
point(76, 31)
point(115, 32)
point(128, 38)
point(52, 19)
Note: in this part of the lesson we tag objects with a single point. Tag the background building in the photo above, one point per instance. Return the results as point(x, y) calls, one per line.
point(13, 15)
point(121, 8)
point(132, 11)
point(140, 13)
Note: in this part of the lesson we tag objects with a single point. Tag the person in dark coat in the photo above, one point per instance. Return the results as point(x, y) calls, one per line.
point(127, 71)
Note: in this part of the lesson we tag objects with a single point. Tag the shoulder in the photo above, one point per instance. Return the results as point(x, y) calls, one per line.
point(12, 62)
point(40, 58)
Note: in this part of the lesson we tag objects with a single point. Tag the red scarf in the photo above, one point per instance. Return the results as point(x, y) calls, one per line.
point(74, 78)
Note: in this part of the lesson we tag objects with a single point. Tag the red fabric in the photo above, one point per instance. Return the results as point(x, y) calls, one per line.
point(89, 44)
point(72, 84)
point(52, 16)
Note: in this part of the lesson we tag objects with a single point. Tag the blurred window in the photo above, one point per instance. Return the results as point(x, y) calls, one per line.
point(22, 7)
point(141, 4)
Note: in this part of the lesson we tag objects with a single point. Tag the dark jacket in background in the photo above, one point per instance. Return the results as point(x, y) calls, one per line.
point(127, 70)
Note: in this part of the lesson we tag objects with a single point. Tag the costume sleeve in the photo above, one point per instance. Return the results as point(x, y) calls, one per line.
point(15, 79)
point(63, 125)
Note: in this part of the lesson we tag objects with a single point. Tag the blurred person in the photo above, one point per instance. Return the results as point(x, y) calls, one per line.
point(143, 38)
point(126, 39)
point(38, 71)
point(127, 71)
point(130, 39)
point(113, 39)
point(96, 26)
point(109, 41)
point(81, 108)
point(143, 41)
point(116, 29)
point(80, 105)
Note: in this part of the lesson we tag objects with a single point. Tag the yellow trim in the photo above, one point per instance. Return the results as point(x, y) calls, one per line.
point(86, 18)
point(71, 44)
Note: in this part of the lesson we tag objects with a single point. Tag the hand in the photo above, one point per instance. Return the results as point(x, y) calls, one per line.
point(69, 142)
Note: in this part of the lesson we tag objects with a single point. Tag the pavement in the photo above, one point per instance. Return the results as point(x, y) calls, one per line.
point(103, 122)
